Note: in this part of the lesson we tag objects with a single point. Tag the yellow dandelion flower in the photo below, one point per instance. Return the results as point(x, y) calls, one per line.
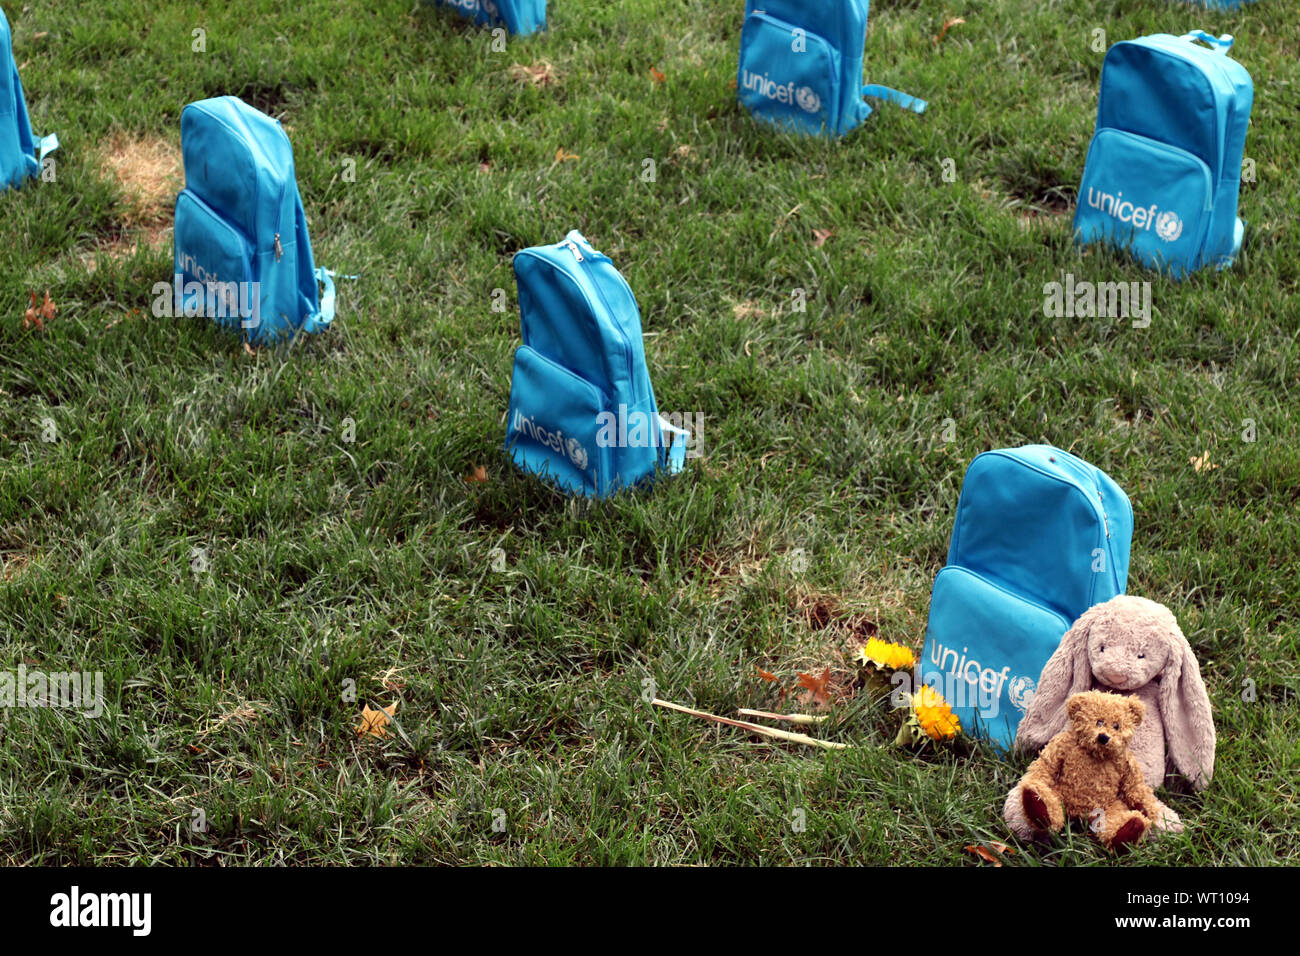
point(886, 654)
point(933, 713)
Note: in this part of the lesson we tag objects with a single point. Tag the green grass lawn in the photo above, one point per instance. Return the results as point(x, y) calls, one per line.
point(204, 534)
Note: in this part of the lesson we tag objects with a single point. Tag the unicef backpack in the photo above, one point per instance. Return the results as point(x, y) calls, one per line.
point(1164, 167)
point(243, 256)
point(1040, 536)
point(18, 145)
point(801, 66)
point(582, 412)
point(520, 17)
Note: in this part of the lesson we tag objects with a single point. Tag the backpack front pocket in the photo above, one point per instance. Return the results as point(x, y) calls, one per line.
point(1146, 196)
point(213, 259)
point(555, 424)
point(788, 75)
point(985, 648)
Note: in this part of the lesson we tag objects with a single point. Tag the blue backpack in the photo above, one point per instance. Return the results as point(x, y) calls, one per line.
point(582, 412)
point(1040, 536)
point(243, 256)
point(520, 17)
point(18, 145)
point(1164, 167)
point(801, 66)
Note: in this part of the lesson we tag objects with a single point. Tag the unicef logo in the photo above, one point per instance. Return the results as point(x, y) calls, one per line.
point(808, 99)
point(1021, 691)
point(1168, 226)
point(577, 454)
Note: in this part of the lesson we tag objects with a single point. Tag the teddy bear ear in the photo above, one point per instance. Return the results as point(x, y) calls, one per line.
point(1137, 709)
point(1074, 705)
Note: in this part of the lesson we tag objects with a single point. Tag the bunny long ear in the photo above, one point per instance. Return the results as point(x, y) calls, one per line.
point(1068, 671)
point(1185, 711)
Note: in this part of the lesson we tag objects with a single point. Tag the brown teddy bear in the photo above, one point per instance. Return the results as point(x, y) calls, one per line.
point(1087, 772)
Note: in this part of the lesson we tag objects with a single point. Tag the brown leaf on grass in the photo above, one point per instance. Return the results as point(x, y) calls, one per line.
point(987, 852)
point(485, 167)
point(38, 316)
point(374, 722)
point(765, 675)
point(820, 236)
point(562, 157)
point(248, 349)
point(541, 73)
point(657, 76)
point(816, 687)
point(477, 475)
point(954, 21)
point(1202, 463)
point(32, 316)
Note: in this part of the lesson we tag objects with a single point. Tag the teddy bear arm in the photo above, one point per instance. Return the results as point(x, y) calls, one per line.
point(1046, 769)
point(1135, 792)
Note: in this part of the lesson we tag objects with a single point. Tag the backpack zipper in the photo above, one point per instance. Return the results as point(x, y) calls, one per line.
point(618, 326)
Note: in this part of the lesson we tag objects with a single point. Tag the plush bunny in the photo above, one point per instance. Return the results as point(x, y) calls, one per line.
point(1128, 645)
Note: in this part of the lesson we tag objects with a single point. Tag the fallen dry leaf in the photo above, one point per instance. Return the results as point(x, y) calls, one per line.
point(1202, 463)
point(820, 236)
point(657, 76)
point(477, 475)
point(986, 853)
point(32, 316)
point(816, 687)
point(765, 675)
point(374, 722)
point(562, 157)
point(39, 316)
point(944, 32)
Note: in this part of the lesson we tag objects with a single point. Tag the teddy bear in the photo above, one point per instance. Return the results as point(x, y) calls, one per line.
point(1088, 772)
point(1133, 646)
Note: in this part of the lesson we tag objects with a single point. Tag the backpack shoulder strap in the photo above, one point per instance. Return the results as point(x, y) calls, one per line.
point(674, 441)
point(321, 320)
point(905, 100)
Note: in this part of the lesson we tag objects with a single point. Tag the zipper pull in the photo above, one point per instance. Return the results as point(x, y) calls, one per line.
point(573, 247)
point(279, 250)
